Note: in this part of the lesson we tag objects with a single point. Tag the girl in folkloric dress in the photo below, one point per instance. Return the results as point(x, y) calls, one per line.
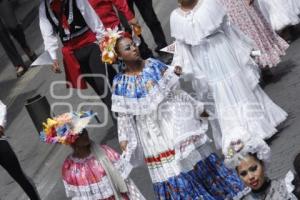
point(249, 19)
point(159, 119)
point(251, 161)
point(278, 13)
point(90, 172)
point(212, 51)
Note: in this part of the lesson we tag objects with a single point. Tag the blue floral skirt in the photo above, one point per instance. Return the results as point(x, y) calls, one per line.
point(209, 180)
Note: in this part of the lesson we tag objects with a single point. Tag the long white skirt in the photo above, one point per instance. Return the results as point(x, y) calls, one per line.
point(241, 105)
point(279, 13)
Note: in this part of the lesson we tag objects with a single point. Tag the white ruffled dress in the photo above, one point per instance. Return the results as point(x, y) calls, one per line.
point(212, 51)
point(160, 123)
point(279, 13)
point(293, 6)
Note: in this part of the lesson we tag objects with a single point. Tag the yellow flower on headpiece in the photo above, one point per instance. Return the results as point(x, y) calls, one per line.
point(49, 125)
point(108, 44)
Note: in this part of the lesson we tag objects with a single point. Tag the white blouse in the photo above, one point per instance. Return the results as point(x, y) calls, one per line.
point(2, 114)
point(50, 37)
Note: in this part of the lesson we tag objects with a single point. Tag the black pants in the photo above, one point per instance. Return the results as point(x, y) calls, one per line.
point(9, 46)
point(10, 20)
point(10, 163)
point(89, 58)
point(145, 7)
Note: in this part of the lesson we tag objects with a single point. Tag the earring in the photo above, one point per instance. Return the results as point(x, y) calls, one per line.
point(121, 65)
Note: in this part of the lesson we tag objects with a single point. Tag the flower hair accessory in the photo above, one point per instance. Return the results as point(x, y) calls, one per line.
point(65, 128)
point(239, 149)
point(107, 45)
point(234, 148)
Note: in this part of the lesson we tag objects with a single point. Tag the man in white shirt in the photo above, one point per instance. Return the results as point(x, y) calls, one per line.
point(80, 30)
point(9, 160)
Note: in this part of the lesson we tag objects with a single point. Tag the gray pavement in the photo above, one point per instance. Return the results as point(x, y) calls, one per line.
point(43, 162)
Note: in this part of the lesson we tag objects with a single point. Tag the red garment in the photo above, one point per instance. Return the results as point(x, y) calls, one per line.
point(107, 14)
point(71, 64)
point(56, 7)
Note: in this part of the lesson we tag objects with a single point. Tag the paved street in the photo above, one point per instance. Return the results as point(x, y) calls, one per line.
point(43, 162)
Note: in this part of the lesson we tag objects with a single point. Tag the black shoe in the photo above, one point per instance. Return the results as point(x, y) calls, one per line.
point(267, 75)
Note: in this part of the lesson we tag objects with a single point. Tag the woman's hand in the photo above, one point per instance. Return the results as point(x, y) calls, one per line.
point(123, 145)
point(56, 67)
point(178, 70)
point(133, 22)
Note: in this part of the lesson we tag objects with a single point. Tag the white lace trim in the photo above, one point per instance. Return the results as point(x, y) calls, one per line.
point(173, 167)
point(124, 167)
point(190, 142)
point(127, 131)
point(197, 23)
point(99, 190)
point(81, 192)
point(145, 105)
point(289, 177)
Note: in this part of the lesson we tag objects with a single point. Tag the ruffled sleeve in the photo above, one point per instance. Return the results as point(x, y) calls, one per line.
point(127, 131)
point(288, 180)
point(119, 163)
point(183, 58)
point(141, 94)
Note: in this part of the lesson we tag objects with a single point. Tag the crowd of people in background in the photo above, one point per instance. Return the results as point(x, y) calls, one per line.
point(224, 48)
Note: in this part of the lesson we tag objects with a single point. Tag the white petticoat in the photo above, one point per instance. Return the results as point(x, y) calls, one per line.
point(221, 57)
point(279, 13)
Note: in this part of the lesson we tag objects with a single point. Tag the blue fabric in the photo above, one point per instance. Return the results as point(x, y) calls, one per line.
point(210, 180)
point(138, 86)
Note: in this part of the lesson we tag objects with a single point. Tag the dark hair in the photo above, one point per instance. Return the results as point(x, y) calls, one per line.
point(186, 2)
point(124, 35)
point(117, 43)
point(84, 131)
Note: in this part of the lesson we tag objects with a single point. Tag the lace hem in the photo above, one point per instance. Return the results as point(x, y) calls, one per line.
point(99, 190)
point(190, 142)
point(167, 169)
point(289, 178)
point(124, 167)
point(149, 103)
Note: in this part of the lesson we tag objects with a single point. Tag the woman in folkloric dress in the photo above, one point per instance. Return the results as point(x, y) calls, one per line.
point(278, 13)
point(159, 119)
point(251, 21)
point(251, 161)
point(91, 171)
point(212, 51)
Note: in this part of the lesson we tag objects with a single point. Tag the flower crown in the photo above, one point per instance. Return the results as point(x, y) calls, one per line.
point(65, 128)
point(239, 149)
point(107, 45)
